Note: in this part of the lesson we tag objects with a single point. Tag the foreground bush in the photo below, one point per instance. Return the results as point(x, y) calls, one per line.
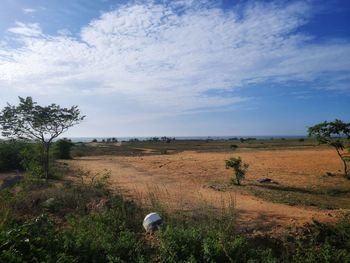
point(88, 240)
point(82, 223)
point(325, 243)
point(33, 241)
point(201, 244)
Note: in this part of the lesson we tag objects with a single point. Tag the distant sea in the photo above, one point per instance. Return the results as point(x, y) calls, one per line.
point(89, 139)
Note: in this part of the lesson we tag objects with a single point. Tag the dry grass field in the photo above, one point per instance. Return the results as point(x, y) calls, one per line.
point(190, 180)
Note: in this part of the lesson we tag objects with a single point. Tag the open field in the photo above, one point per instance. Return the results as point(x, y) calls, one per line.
point(133, 148)
point(192, 179)
point(95, 215)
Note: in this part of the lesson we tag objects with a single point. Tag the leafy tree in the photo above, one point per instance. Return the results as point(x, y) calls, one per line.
point(333, 133)
point(239, 168)
point(39, 123)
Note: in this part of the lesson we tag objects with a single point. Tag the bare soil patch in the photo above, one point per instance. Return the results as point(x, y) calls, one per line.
point(181, 182)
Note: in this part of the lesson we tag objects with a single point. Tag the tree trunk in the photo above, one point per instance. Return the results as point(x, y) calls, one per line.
point(344, 162)
point(238, 180)
point(46, 160)
point(346, 169)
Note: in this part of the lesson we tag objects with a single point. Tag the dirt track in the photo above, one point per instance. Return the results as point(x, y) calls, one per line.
point(179, 180)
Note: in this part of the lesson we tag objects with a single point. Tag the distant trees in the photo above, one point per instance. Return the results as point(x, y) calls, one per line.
point(164, 139)
point(39, 123)
point(239, 169)
point(167, 139)
point(333, 133)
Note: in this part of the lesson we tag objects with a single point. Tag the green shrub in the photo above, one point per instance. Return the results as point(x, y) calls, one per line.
point(179, 244)
point(5, 207)
point(62, 149)
point(234, 146)
point(91, 232)
point(201, 244)
point(10, 154)
point(239, 168)
point(102, 237)
point(93, 238)
point(32, 162)
point(325, 242)
point(32, 159)
point(35, 240)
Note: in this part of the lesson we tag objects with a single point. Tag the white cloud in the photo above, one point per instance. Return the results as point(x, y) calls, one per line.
point(29, 10)
point(174, 62)
point(28, 30)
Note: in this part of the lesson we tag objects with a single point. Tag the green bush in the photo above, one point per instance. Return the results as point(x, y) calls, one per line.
point(234, 146)
point(179, 244)
point(102, 237)
point(325, 243)
point(90, 233)
point(10, 154)
point(201, 244)
point(62, 149)
point(35, 240)
point(32, 160)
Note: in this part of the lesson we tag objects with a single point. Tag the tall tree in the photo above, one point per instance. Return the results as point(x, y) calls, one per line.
point(333, 133)
point(39, 123)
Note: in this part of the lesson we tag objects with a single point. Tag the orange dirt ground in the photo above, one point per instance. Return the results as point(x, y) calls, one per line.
point(180, 179)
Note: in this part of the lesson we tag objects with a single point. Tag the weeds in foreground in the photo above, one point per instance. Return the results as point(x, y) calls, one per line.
point(88, 223)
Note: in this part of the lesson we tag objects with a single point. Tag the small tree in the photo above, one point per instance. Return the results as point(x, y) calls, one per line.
point(333, 134)
point(43, 124)
point(239, 168)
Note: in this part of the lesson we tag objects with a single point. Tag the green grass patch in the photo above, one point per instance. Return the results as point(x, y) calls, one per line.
point(321, 198)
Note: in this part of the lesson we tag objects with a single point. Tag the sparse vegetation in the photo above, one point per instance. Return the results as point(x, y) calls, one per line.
point(321, 198)
point(239, 168)
point(86, 222)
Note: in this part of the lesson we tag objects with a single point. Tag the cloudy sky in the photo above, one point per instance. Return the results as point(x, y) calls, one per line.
point(180, 68)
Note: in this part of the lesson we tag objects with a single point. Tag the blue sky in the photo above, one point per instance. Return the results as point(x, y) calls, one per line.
point(180, 68)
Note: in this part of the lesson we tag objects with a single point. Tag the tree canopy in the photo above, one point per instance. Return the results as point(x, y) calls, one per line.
point(333, 133)
point(31, 121)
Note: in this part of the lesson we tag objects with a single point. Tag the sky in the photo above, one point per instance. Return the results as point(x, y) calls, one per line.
point(180, 68)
